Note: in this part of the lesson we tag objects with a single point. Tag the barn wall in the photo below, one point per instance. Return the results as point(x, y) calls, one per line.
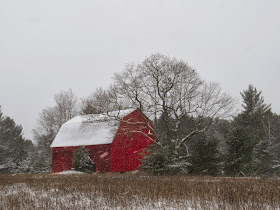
point(128, 147)
point(62, 158)
point(101, 156)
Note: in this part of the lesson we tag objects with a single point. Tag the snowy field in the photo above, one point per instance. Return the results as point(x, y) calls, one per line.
point(135, 191)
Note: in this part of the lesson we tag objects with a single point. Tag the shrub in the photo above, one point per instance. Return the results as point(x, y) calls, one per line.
point(82, 162)
point(163, 160)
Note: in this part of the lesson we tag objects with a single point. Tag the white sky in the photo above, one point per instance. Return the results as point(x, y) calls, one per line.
point(48, 46)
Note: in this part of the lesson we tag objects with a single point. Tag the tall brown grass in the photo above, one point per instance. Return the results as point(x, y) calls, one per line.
point(136, 191)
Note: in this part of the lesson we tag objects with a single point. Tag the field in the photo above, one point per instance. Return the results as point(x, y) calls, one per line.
point(136, 191)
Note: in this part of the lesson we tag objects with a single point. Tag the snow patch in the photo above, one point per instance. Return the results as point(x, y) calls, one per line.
point(70, 172)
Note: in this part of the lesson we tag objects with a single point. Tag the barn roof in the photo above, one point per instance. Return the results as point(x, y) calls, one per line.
point(91, 129)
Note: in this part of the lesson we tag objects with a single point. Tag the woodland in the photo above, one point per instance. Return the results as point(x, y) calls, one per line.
point(199, 128)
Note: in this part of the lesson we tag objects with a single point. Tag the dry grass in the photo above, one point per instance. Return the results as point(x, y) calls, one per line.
point(136, 191)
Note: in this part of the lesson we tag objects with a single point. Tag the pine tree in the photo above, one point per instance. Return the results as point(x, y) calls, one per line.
point(253, 102)
point(205, 159)
point(267, 150)
point(240, 155)
point(42, 160)
point(12, 144)
point(250, 137)
point(82, 162)
point(274, 137)
point(254, 111)
point(163, 160)
point(27, 165)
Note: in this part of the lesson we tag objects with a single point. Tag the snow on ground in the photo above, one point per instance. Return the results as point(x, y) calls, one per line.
point(70, 172)
point(129, 191)
point(54, 199)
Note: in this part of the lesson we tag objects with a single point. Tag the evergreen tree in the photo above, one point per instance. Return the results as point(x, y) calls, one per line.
point(267, 151)
point(12, 144)
point(205, 159)
point(42, 160)
point(275, 138)
point(249, 126)
point(163, 160)
point(264, 157)
point(253, 102)
point(82, 162)
point(27, 165)
point(239, 156)
point(254, 111)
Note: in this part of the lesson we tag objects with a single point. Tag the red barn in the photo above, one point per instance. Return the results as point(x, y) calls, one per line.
point(115, 141)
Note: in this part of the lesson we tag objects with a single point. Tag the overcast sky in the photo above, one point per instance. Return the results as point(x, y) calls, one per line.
point(48, 46)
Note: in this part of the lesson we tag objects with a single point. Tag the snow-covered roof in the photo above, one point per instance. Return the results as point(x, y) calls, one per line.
point(91, 129)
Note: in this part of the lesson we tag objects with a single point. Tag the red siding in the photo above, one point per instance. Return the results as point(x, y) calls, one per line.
point(101, 156)
point(62, 158)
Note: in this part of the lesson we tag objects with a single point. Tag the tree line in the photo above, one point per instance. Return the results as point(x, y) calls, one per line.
point(197, 127)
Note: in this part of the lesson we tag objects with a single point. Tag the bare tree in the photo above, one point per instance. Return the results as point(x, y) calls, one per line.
point(66, 105)
point(97, 102)
point(161, 86)
point(51, 118)
point(102, 101)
